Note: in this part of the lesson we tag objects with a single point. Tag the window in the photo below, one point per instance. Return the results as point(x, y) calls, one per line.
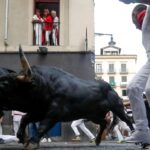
point(111, 68)
point(124, 79)
point(124, 92)
point(115, 53)
point(46, 23)
point(106, 52)
point(123, 68)
point(112, 80)
point(99, 68)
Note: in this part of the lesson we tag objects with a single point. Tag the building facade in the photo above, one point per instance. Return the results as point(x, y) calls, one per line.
point(115, 68)
point(76, 24)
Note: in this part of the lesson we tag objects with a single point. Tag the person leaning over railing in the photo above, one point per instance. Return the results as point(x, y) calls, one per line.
point(37, 24)
point(47, 26)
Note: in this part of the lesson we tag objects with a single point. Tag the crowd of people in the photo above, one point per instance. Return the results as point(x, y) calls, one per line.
point(46, 27)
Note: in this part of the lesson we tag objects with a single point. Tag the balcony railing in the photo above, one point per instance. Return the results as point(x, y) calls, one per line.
point(111, 71)
point(124, 71)
point(46, 33)
point(123, 84)
point(99, 71)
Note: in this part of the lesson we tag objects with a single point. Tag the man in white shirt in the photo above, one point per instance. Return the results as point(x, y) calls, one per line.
point(141, 81)
point(37, 24)
point(55, 30)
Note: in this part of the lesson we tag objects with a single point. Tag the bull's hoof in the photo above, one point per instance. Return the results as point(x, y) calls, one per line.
point(97, 141)
point(31, 146)
point(20, 136)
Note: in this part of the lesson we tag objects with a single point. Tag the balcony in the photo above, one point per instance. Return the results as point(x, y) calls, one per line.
point(124, 71)
point(123, 84)
point(99, 71)
point(111, 72)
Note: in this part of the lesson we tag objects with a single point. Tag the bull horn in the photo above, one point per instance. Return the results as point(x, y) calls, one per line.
point(27, 72)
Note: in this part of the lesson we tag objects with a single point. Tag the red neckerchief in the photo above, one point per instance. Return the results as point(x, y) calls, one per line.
point(140, 17)
point(39, 17)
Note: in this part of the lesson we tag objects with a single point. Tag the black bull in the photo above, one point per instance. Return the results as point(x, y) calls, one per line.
point(50, 95)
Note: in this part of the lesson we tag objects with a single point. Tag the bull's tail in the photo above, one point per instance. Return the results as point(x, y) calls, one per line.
point(115, 121)
point(117, 107)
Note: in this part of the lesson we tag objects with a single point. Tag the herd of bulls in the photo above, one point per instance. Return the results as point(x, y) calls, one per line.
point(50, 95)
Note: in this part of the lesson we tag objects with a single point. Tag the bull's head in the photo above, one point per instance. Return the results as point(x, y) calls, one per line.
point(10, 85)
point(17, 89)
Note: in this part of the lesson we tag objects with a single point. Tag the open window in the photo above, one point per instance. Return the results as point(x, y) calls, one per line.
point(46, 25)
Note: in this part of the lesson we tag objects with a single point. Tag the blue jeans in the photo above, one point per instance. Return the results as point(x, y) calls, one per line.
point(32, 129)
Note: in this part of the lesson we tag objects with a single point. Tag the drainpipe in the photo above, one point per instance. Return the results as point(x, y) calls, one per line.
point(6, 24)
point(86, 39)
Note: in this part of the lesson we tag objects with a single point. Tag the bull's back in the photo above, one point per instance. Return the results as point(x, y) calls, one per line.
point(70, 87)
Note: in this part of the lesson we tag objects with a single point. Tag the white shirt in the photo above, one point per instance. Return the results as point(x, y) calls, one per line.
point(37, 26)
point(56, 22)
point(17, 115)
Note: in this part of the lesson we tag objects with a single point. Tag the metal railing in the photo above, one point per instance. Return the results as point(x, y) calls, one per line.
point(46, 33)
point(123, 71)
point(111, 71)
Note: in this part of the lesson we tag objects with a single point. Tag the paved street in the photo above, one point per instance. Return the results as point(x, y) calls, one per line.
point(74, 146)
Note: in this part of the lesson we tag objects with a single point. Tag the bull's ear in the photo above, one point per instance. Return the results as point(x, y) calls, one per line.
point(26, 73)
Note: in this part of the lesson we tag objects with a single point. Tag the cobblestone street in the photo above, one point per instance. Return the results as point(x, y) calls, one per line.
point(109, 145)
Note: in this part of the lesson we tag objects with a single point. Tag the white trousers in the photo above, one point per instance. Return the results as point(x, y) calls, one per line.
point(118, 133)
point(80, 123)
point(139, 84)
point(141, 81)
point(16, 125)
point(47, 37)
point(54, 37)
point(1, 130)
point(121, 126)
point(38, 36)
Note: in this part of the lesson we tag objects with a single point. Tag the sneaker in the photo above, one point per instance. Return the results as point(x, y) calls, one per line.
point(120, 142)
point(139, 136)
point(44, 140)
point(49, 140)
point(92, 141)
point(77, 138)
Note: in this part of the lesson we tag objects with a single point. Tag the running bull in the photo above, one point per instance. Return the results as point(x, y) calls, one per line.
point(51, 95)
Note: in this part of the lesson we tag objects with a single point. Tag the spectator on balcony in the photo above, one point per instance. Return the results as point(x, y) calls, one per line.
point(47, 26)
point(55, 31)
point(37, 24)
